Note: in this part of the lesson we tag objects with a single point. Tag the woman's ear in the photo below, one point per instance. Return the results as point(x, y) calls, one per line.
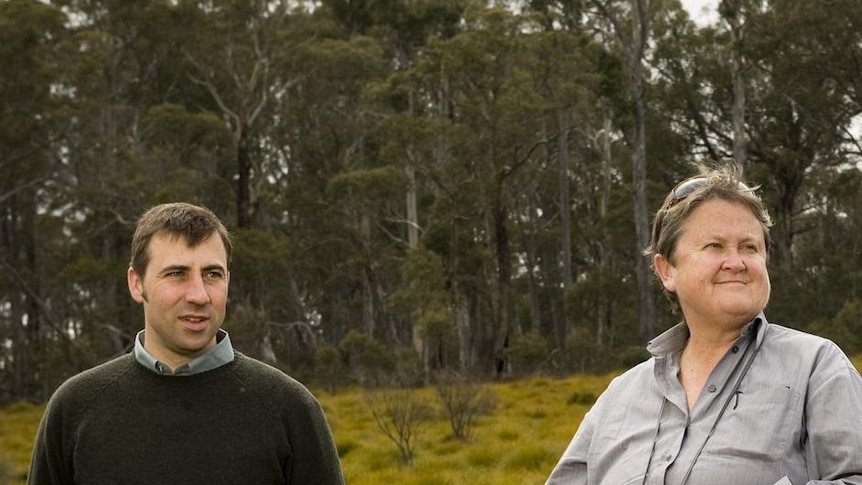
point(665, 272)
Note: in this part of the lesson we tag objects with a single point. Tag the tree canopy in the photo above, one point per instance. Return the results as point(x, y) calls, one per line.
point(415, 186)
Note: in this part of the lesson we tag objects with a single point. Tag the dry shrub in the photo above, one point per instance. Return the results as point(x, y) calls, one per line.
point(399, 413)
point(463, 400)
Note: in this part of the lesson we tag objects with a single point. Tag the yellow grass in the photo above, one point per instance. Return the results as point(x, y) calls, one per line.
point(18, 424)
point(518, 443)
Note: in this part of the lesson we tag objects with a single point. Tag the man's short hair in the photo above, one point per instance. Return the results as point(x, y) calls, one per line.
point(194, 224)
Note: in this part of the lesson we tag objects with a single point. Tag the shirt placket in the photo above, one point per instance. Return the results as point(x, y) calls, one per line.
point(682, 433)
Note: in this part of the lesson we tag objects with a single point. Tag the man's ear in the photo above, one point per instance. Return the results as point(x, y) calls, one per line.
point(665, 272)
point(136, 285)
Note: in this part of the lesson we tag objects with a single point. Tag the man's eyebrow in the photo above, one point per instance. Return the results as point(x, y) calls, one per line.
point(172, 268)
point(185, 268)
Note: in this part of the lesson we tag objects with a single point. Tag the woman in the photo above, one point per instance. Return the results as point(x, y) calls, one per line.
point(727, 397)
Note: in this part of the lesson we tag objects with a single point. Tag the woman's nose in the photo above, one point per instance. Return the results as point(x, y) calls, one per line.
point(734, 260)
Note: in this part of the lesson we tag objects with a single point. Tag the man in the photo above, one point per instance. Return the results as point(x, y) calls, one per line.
point(184, 407)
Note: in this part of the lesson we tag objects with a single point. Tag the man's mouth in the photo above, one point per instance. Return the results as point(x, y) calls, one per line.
point(193, 322)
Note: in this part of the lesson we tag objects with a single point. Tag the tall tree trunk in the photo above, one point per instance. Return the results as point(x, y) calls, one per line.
point(633, 49)
point(419, 344)
point(19, 240)
point(565, 226)
point(529, 236)
point(466, 356)
point(461, 304)
point(730, 10)
point(244, 205)
point(368, 285)
point(418, 341)
point(640, 29)
point(412, 210)
point(500, 277)
point(604, 311)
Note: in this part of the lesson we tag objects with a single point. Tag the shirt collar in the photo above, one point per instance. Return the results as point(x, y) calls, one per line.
point(213, 358)
point(673, 340)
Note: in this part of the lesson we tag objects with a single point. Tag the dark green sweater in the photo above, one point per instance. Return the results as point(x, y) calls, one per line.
point(242, 423)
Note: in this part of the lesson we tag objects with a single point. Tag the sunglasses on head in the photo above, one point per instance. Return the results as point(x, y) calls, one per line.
point(689, 186)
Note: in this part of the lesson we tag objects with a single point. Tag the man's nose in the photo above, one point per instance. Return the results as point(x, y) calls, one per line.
point(196, 291)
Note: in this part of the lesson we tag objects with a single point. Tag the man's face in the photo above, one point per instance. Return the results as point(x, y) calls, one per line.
point(184, 294)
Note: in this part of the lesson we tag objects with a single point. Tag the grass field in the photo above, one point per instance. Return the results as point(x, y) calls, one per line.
point(517, 444)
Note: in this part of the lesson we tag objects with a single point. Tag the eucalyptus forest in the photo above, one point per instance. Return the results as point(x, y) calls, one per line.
point(415, 186)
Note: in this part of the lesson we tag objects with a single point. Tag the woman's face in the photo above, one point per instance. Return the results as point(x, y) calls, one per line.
point(718, 270)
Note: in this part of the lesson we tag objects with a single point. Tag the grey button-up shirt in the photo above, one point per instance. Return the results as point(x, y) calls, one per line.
point(797, 413)
point(215, 357)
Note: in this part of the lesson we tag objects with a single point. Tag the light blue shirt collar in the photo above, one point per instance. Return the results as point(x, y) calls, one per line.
point(213, 358)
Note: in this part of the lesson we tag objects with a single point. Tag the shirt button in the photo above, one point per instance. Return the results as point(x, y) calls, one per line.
point(735, 349)
point(711, 388)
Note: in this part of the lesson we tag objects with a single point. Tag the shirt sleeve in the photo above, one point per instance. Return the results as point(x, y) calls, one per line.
point(833, 417)
point(572, 467)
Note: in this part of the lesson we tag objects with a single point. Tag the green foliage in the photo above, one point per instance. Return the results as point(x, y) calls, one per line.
point(424, 296)
point(370, 362)
point(435, 324)
point(528, 353)
point(410, 371)
point(630, 356)
point(367, 185)
point(845, 327)
point(249, 326)
point(583, 352)
point(327, 363)
point(174, 126)
point(262, 263)
point(299, 127)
